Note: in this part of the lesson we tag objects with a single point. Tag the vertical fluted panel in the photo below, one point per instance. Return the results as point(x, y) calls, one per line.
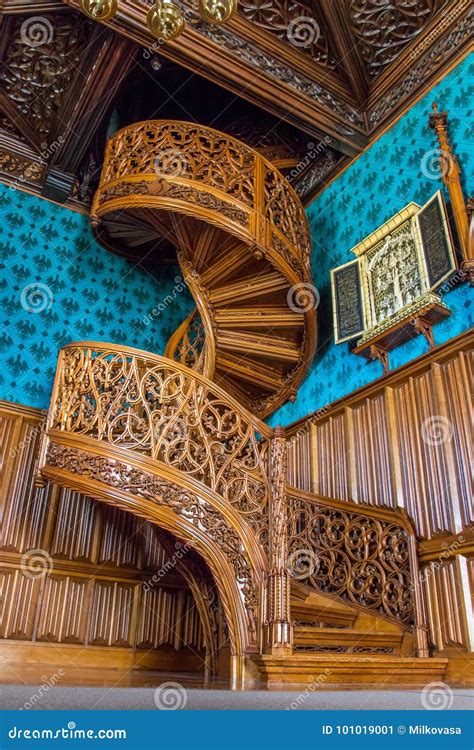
point(73, 526)
point(61, 610)
point(18, 597)
point(120, 537)
point(333, 478)
point(373, 476)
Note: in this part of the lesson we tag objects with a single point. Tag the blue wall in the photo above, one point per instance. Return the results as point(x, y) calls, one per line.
point(58, 285)
point(377, 185)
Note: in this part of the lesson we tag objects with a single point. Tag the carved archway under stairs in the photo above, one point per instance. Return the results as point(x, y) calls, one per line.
point(238, 569)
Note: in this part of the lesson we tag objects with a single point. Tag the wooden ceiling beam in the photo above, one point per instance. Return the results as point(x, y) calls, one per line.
point(335, 16)
point(20, 121)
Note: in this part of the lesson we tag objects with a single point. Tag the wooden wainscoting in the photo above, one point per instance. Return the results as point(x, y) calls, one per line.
point(83, 585)
point(405, 441)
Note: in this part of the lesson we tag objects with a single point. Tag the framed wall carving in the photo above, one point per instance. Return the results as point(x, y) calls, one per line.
point(388, 293)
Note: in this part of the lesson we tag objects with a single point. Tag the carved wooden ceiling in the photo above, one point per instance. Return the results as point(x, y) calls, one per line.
point(328, 75)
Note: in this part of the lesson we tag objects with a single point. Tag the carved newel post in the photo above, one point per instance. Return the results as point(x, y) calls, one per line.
point(280, 636)
point(450, 173)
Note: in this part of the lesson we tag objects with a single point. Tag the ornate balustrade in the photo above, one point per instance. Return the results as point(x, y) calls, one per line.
point(188, 167)
point(365, 557)
point(160, 409)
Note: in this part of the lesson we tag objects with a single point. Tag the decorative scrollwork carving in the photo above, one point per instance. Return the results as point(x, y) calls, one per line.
point(276, 16)
point(195, 510)
point(383, 29)
point(161, 410)
point(358, 558)
point(38, 75)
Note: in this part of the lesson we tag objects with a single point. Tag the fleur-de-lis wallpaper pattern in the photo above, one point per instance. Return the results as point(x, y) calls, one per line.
point(398, 168)
point(58, 285)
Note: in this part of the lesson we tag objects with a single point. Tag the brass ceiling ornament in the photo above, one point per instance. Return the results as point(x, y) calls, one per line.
point(217, 11)
point(99, 10)
point(165, 20)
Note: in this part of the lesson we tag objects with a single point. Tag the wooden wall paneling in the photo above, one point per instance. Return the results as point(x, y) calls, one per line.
point(448, 604)
point(332, 454)
point(60, 610)
point(120, 538)
point(349, 439)
point(372, 453)
point(314, 453)
point(413, 477)
point(446, 464)
point(123, 619)
point(457, 380)
point(75, 519)
point(394, 438)
point(17, 622)
point(24, 508)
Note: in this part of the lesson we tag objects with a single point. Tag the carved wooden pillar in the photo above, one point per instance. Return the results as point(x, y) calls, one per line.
point(420, 629)
point(280, 635)
point(450, 173)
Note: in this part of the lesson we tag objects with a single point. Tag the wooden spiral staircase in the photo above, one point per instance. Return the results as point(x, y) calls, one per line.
point(242, 241)
point(179, 440)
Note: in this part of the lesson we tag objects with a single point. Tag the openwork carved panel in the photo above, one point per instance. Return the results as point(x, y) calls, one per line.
point(281, 17)
point(361, 560)
point(193, 509)
point(159, 409)
point(191, 163)
point(383, 29)
point(40, 61)
point(172, 149)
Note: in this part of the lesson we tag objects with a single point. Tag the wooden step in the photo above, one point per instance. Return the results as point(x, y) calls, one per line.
point(345, 639)
point(322, 612)
point(248, 370)
point(362, 670)
point(269, 316)
point(249, 288)
point(261, 346)
point(226, 264)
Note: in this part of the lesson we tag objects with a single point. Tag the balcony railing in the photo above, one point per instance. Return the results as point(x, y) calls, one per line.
point(187, 167)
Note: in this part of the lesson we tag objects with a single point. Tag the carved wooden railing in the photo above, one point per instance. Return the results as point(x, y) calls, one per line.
point(164, 411)
point(365, 557)
point(188, 344)
point(222, 178)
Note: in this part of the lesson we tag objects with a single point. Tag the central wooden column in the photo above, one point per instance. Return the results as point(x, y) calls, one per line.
point(280, 636)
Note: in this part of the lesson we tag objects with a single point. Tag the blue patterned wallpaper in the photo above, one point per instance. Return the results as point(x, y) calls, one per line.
point(58, 285)
point(395, 170)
